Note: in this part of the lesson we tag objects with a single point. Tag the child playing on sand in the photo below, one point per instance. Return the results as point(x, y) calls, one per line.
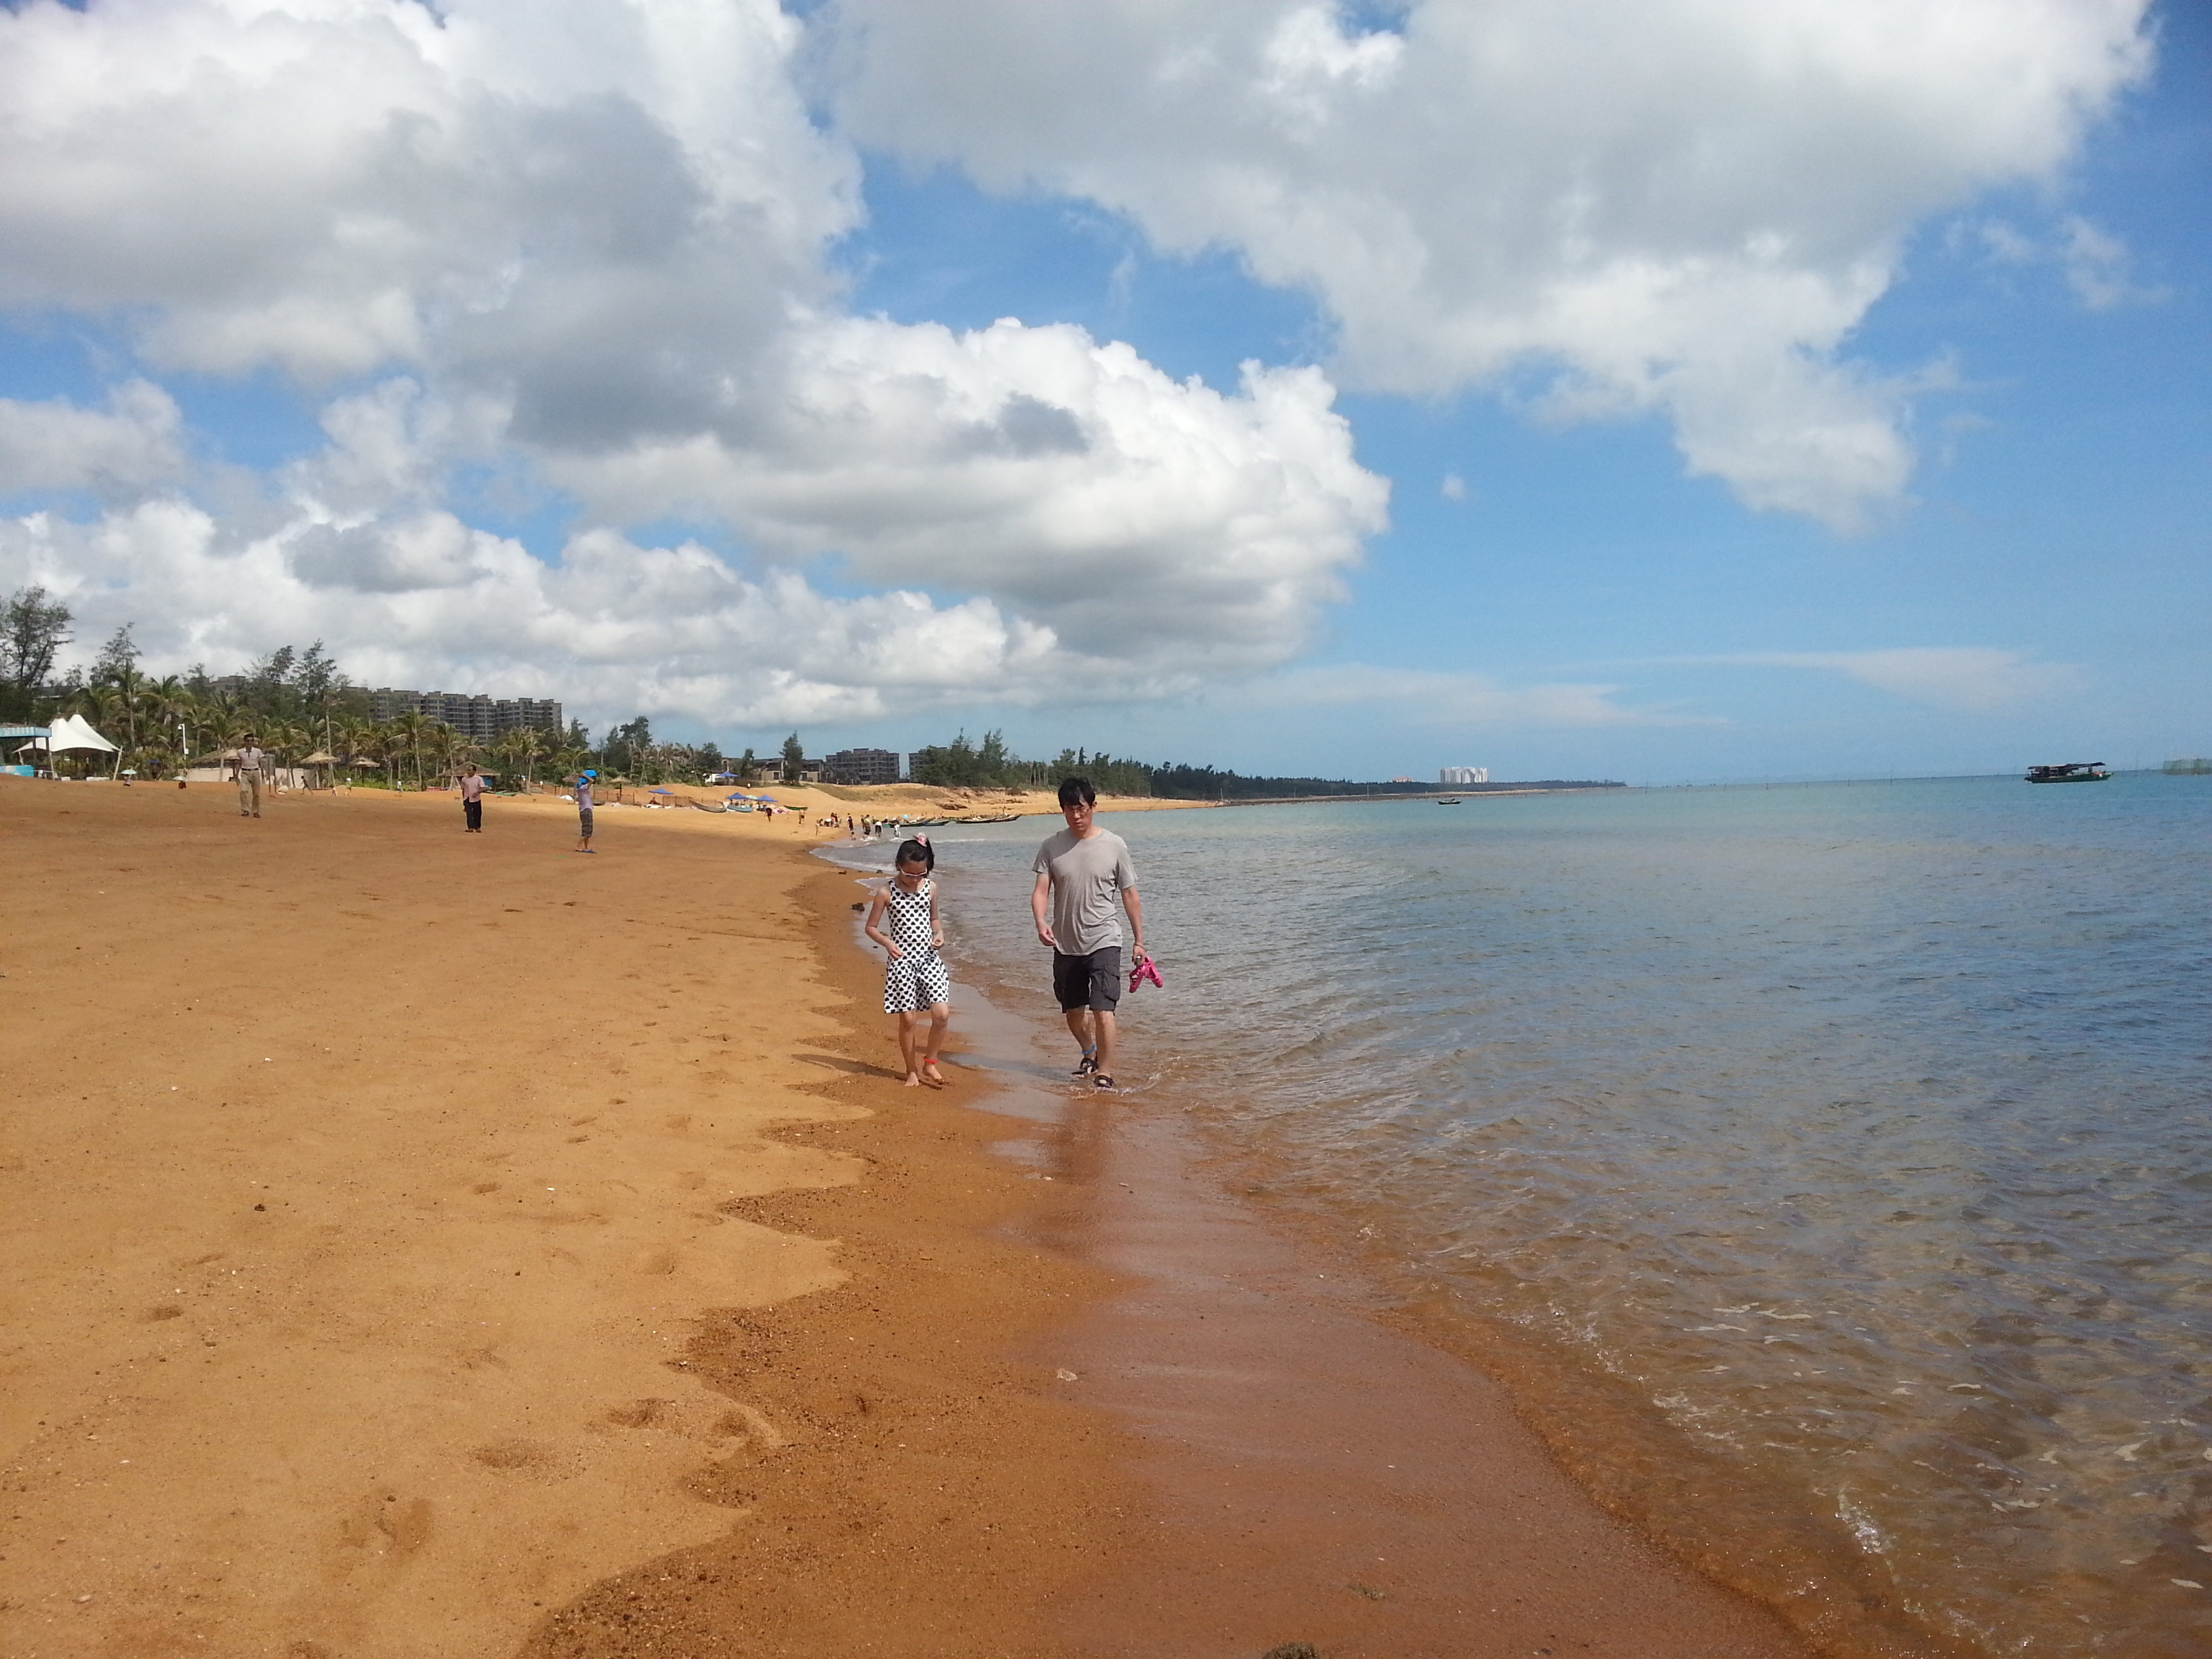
point(915, 978)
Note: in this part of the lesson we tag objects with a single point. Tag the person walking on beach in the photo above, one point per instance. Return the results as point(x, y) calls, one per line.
point(915, 978)
point(1079, 870)
point(584, 783)
point(472, 802)
point(252, 761)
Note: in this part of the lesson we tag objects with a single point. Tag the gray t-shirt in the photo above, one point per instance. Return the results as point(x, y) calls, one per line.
point(1087, 879)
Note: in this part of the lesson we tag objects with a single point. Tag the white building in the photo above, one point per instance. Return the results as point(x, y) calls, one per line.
point(1458, 777)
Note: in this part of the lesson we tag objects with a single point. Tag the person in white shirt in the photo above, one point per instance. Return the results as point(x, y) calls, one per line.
point(253, 762)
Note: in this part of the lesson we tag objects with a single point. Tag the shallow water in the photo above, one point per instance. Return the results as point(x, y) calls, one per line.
point(1855, 1136)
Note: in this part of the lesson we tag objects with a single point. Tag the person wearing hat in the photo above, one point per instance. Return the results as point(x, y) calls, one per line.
point(584, 782)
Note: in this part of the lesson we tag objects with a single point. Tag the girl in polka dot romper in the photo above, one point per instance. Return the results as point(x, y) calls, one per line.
point(915, 978)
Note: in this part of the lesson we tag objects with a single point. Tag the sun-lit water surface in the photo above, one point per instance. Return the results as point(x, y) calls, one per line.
point(1861, 1131)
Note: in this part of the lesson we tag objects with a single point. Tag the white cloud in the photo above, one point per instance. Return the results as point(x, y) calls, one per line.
point(1422, 697)
point(1685, 207)
point(614, 628)
point(1160, 523)
point(54, 445)
point(584, 247)
point(2097, 265)
point(1974, 679)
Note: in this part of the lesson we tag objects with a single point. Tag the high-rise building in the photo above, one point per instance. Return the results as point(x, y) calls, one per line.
point(478, 718)
point(1458, 777)
point(860, 766)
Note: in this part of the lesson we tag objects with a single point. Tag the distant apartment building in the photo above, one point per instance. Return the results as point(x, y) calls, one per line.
point(1458, 777)
point(478, 718)
point(860, 766)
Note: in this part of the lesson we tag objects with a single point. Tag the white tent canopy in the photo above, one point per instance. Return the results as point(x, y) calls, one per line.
point(75, 731)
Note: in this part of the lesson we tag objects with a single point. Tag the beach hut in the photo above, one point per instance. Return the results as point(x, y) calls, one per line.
point(322, 760)
point(25, 756)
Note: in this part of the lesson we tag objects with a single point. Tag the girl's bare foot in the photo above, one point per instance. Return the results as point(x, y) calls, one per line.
point(929, 1071)
point(913, 1080)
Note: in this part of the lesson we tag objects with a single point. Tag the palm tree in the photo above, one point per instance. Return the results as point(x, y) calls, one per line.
point(447, 747)
point(520, 748)
point(380, 746)
point(410, 728)
point(168, 704)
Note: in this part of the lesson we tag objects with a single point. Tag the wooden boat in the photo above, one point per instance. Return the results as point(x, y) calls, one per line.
point(2069, 772)
point(1451, 800)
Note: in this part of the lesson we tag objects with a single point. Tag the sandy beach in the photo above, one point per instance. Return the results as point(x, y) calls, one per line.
point(422, 1244)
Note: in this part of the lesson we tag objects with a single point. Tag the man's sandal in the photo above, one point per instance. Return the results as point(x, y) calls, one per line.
point(1101, 1080)
point(1085, 1066)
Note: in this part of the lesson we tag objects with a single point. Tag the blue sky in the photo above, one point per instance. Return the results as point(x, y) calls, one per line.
point(1924, 491)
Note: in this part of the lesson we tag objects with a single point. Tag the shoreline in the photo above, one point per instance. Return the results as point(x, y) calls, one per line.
point(1291, 1425)
point(783, 1370)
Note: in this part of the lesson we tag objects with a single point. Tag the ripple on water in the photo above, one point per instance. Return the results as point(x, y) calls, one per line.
point(1835, 1159)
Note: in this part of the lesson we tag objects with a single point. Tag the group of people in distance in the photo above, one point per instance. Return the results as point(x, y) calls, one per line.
point(1083, 873)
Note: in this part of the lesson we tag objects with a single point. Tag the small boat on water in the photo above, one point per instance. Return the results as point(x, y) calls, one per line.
point(2069, 772)
point(1003, 817)
point(923, 823)
point(1451, 800)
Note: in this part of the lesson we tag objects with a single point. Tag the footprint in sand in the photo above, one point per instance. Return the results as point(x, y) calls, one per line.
point(383, 1525)
point(517, 1456)
point(641, 1414)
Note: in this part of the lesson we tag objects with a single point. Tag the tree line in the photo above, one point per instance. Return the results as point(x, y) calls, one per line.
point(299, 703)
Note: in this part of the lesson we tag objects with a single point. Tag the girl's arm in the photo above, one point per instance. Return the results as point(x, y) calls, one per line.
point(875, 915)
point(935, 921)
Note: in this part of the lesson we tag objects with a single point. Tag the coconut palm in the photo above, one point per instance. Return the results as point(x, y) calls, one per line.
point(519, 749)
point(168, 704)
point(409, 729)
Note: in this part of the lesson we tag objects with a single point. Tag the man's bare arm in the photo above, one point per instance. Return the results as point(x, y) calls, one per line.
point(1135, 907)
point(1038, 896)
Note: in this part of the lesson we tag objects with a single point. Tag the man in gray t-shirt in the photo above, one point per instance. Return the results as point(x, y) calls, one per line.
point(1080, 872)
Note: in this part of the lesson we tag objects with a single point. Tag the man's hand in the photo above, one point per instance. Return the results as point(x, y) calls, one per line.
point(1039, 895)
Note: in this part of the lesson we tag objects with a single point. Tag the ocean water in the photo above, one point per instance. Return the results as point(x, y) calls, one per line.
point(1830, 1166)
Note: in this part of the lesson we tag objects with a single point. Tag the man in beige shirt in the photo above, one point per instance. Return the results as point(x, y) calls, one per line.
point(253, 762)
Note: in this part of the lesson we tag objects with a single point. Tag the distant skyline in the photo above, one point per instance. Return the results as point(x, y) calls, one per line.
point(1634, 389)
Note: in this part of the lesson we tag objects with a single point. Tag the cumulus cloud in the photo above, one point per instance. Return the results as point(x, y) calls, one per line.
point(136, 443)
point(1159, 522)
point(584, 248)
point(614, 626)
point(1685, 207)
point(1973, 679)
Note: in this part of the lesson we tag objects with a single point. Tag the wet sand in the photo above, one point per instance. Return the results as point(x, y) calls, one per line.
point(422, 1244)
